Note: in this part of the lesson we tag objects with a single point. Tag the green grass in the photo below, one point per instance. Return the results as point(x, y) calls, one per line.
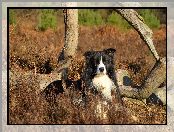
point(90, 17)
point(150, 18)
point(47, 19)
point(12, 16)
point(117, 20)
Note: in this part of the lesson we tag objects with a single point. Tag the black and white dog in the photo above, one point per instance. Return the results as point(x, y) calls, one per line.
point(98, 76)
point(99, 72)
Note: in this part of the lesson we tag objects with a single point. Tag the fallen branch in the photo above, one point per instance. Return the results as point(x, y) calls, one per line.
point(156, 77)
point(46, 79)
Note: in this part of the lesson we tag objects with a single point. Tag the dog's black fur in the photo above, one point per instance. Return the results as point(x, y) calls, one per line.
point(92, 60)
point(55, 88)
point(89, 72)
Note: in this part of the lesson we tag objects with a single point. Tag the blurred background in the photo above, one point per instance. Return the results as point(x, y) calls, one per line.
point(37, 36)
point(49, 18)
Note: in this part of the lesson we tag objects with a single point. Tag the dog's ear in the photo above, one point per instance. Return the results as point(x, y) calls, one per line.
point(88, 54)
point(110, 52)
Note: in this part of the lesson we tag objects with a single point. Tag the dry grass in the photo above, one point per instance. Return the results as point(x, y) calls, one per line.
point(32, 50)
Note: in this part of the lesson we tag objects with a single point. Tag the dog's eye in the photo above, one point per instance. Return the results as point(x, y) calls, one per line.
point(97, 61)
point(104, 59)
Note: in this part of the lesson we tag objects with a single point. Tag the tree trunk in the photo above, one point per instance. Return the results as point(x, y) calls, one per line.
point(71, 33)
point(71, 41)
point(69, 50)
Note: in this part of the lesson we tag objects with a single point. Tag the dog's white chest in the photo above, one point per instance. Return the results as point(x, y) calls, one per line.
point(103, 84)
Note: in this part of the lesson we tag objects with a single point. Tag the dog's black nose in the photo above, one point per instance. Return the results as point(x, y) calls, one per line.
point(101, 69)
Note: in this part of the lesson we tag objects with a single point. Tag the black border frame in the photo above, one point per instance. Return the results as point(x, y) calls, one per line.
point(8, 79)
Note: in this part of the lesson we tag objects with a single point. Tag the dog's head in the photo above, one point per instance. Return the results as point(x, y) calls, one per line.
point(100, 61)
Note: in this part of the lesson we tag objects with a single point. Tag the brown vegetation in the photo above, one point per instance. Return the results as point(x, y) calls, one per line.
point(32, 50)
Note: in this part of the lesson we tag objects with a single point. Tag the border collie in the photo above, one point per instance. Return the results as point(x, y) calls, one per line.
point(99, 73)
point(98, 77)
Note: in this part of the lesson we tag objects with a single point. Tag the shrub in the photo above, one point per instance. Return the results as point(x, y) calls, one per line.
point(150, 18)
point(90, 17)
point(47, 19)
point(116, 19)
point(12, 16)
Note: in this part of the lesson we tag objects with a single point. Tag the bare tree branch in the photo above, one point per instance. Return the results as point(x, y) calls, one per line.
point(144, 31)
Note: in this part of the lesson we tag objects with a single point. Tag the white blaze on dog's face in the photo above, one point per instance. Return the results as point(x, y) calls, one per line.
point(101, 68)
